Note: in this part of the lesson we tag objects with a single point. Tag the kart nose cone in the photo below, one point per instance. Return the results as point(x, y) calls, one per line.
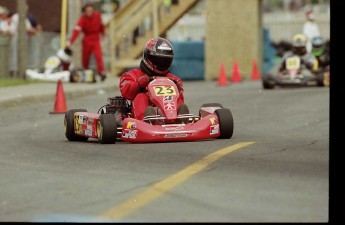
point(171, 114)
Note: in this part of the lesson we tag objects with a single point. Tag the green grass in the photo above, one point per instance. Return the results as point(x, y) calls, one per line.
point(14, 82)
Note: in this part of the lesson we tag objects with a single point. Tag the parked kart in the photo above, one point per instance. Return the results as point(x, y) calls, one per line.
point(164, 123)
point(294, 75)
point(54, 70)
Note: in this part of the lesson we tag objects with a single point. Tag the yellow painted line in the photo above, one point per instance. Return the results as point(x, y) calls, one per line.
point(160, 188)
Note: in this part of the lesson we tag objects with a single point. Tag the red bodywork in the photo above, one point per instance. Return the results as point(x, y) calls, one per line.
point(137, 131)
point(164, 95)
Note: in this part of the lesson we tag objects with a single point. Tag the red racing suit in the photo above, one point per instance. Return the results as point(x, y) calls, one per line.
point(130, 89)
point(92, 27)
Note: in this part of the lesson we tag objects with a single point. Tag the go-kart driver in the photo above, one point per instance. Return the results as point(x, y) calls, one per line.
point(308, 61)
point(318, 50)
point(157, 59)
point(321, 53)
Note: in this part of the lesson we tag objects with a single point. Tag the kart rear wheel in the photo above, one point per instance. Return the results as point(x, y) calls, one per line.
point(320, 80)
point(267, 85)
point(226, 123)
point(69, 125)
point(183, 109)
point(107, 129)
point(320, 83)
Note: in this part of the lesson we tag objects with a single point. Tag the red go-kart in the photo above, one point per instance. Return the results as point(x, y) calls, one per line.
point(163, 121)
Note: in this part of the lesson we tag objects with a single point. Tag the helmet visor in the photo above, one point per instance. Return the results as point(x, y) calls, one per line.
point(162, 63)
point(300, 50)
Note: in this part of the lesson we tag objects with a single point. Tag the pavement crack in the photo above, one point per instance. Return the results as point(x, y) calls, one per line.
point(287, 148)
point(210, 169)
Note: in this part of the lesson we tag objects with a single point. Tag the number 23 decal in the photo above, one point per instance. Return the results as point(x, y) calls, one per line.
point(164, 90)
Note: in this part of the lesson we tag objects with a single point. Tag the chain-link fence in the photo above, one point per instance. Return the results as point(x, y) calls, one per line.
point(39, 48)
point(43, 45)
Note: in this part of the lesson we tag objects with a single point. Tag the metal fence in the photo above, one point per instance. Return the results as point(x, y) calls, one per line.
point(39, 48)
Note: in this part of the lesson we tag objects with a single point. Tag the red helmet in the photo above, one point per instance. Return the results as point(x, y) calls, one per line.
point(158, 56)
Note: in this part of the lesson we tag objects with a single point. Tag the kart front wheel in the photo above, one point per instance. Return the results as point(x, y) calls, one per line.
point(226, 123)
point(69, 125)
point(107, 129)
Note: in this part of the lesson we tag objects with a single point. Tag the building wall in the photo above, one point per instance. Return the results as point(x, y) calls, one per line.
point(47, 13)
point(233, 32)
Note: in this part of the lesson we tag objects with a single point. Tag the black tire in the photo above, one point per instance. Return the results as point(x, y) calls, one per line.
point(226, 123)
point(212, 105)
point(69, 125)
point(267, 85)
point(74, 76)
point(183, 109)
point(319, 79)
point(107, 129)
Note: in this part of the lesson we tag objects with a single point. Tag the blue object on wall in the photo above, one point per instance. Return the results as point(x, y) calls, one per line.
point(189, 49)
point(189, 60)
point(268, 53)
point(188, 69)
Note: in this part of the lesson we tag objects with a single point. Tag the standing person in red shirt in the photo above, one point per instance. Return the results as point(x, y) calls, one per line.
point(90, 23)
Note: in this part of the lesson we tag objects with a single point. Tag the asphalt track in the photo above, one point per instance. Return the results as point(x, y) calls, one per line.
point(274, 169)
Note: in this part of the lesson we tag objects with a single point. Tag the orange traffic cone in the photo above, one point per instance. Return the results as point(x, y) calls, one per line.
point(222, 79)
point(255, 72)
point(60, 101)
point(236, 76)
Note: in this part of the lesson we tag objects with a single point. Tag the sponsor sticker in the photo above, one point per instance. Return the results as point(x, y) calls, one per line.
point(127, 133)
point(90, 121)
point(81, 120)
point(182, 135)
point(213, 121)
point(169, 106)
point(214, 129)
point(131, 125)
point(174, 128)
point(168, 98)
point(164, 46)
point(88, 133)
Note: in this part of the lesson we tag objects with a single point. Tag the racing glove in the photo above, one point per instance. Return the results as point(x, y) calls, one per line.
point(178, 84)
point(143, 81)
